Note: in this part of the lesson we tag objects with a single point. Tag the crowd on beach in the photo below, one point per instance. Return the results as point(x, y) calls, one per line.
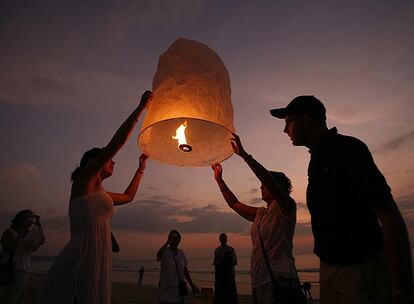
point(359, 234)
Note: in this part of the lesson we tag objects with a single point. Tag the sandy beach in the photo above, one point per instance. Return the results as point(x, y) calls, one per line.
point(122, 293)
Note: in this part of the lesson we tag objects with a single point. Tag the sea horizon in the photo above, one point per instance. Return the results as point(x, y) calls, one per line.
point(201, 271)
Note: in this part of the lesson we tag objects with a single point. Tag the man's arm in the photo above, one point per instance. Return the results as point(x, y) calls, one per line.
point(397, 244)
point(234, 256)
point(188, 277)
point(371, 186)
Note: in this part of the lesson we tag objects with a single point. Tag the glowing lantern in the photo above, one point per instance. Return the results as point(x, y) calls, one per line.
point(190, 119)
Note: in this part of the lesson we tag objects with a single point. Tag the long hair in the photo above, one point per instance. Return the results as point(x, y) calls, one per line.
point(84, 160)
point(15, 221)
point(283, 181)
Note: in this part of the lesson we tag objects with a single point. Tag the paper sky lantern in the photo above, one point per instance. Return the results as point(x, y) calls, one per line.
point(190, 119)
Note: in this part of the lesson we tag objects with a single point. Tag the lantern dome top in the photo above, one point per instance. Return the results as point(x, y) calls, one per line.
point(191, 84)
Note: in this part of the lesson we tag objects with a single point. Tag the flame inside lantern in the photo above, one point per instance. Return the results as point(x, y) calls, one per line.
point(182, 140)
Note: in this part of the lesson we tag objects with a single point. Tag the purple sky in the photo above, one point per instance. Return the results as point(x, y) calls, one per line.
point(71, 72)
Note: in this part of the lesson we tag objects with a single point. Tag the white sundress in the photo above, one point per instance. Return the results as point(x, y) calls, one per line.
point(82, 270)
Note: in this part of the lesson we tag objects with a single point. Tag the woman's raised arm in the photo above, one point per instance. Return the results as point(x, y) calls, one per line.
point(120, 138)
point(131, 190)
point(249, 213)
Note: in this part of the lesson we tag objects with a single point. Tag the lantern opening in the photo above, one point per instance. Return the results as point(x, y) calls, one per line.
point(182, 140)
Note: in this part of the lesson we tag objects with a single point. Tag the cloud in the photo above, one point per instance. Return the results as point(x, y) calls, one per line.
point(156, 216)
point(19, 173)
point(395, 143)
point(255, 201)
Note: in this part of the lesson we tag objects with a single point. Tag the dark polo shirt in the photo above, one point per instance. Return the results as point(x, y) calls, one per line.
point(343, 185)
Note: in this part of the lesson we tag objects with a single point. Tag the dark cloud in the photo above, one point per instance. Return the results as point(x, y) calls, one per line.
point(303, 229)
point(159, 216)
point(395, 143)
point(300, 206)
point(256, 201)
point(155, 216)
point(58, 223)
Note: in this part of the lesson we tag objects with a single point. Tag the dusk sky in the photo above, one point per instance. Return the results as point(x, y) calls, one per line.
point(72, 71)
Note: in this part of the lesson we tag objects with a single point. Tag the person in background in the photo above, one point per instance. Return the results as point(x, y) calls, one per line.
point(24, 236)
point(272, 265)
point(225, 290)
point(359, 233)
point(141, 275)
point(82, 271)
point(115, 245)
point(173, 270)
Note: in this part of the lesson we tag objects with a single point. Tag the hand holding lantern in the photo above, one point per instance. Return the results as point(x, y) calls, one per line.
point(238, 147)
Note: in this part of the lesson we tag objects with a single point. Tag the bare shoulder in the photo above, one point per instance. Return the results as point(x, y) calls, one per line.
point(82, 186)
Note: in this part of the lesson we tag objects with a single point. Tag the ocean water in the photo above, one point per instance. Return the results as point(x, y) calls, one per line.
point(201, 271)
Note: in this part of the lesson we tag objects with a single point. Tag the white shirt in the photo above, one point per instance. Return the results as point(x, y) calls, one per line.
point(277, 232)
point(24, 248)
point(168, 274)
point(168, 285)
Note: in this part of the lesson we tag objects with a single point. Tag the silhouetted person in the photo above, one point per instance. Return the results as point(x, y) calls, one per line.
point(173, 270)
point(82, 271)
point(141, 275)
point(272, 232)
point(306, 287)
point(355, 219)
point(115, 245)
point(225, 291)
point(24, 236)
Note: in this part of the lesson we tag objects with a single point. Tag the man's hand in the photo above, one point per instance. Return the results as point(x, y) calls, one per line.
point(218, 171)
point(238, 147)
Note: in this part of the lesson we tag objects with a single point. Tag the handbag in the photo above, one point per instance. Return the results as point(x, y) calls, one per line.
point(7, 274)
point(182, 285)
point(283, 295)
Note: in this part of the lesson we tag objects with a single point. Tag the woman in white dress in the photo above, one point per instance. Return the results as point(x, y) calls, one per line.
point(24, 236)
point(82, 271)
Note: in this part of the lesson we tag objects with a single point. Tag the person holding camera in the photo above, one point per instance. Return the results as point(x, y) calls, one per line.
point(172, 285)
point(24, 236)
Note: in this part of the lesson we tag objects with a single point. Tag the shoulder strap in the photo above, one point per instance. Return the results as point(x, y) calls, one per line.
point(267, 260)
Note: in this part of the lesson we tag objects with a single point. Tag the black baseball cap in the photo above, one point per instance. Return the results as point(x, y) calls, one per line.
point(304, 104)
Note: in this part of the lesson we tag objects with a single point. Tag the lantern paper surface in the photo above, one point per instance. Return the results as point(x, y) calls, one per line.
point(191, 86)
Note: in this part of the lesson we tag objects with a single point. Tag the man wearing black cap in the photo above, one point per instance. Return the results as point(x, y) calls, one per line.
point(355, 219)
